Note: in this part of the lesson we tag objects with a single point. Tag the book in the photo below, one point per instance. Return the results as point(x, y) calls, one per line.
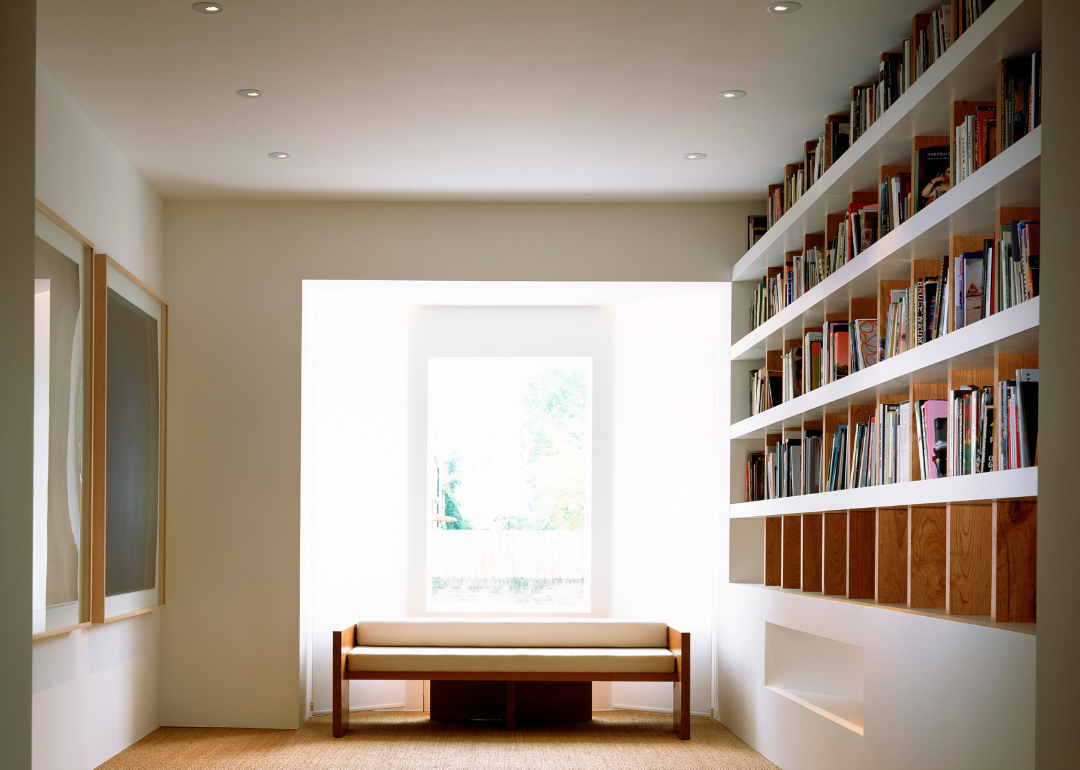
point(864, 343)
point(970, 307)
point(932, 174)
point(812, 364)
point(1027, 422)
point(972, 430)
point(755, 476)
point(931, 417)
point(755, 228)
point(1014, 82)
point(766, 389)
point(792, 368)
point(812, 461)
point(837, 466)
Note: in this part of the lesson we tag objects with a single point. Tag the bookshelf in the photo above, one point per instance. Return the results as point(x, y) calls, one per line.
point(960, 546)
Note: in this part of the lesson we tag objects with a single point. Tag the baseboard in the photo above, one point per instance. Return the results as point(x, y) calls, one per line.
point(653, 709)
point(381, 707)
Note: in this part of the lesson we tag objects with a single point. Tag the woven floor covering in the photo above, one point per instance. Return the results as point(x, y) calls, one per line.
point(397, 740)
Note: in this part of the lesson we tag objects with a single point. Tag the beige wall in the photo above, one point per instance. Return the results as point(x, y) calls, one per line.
point(101, 682)
point(1058, 665)
point(231, 636)
point(17, 56)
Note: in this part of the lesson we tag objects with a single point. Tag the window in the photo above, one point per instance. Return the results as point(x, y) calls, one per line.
point(509, 483)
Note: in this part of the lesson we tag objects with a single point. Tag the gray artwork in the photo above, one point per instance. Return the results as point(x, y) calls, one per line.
point(132, 447)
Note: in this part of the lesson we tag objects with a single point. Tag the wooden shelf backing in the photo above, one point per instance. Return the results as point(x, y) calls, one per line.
point(812, 552)
point(971, 559)
point(792, 571)
point(892, 555)
point(926, 558)
point(834, 563)
point(773, 551)
point(1014, 551)
point(861, 554)
point(969, 538)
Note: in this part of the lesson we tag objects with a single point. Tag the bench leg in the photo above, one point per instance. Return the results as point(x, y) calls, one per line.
point(681, 710)
point(343, 642)
point(511, 706)
point(679, 644)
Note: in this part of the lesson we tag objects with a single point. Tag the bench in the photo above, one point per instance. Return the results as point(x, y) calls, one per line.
point(504, 653)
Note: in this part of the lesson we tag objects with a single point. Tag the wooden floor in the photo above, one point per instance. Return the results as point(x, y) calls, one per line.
point(396, 740)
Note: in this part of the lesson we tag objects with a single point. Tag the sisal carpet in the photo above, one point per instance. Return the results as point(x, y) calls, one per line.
point(396, 740)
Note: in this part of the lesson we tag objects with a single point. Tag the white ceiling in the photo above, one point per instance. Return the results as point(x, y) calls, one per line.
point(464, 99)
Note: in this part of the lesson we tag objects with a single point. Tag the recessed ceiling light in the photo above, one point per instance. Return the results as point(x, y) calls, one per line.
point(249, 93)
point(208, 7)
point(731, 94)
point(784, 7)
point(281, 155)
point(696, 156)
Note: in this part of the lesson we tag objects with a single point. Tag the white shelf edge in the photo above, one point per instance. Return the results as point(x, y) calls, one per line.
point(868, 604)
point(996, 328)
point(995, 173)
point(1021, 482)
point(830, 182)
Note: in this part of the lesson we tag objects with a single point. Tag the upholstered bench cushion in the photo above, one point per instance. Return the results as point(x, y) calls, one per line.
point(439, 632)
point(621, 660)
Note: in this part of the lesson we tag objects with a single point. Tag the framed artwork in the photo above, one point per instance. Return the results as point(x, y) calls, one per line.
point(63, 399)
point(129, 383)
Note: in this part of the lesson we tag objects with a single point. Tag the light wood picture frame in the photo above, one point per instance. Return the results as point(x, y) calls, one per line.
point(63, 430)
point(130, 376)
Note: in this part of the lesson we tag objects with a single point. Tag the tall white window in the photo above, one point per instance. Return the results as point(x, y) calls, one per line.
point(509, 484)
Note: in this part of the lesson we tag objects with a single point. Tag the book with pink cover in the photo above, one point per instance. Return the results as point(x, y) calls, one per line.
point(936, 443)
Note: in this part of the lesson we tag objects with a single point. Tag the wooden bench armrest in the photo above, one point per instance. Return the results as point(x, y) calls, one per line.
point(343, 642)
point(679, 644)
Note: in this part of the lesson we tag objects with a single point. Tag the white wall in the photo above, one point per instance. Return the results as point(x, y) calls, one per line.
point(365, 400)
point(665, 478)
point(17, 51)
point(355, 472)
point(234, 272)
point(100, 684)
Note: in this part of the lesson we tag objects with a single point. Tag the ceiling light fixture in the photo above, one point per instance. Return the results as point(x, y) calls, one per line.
point(784, 7)
point(207, 7)
point(281, 155)
point(731, 94)
point(249, 93)
point(696, 156)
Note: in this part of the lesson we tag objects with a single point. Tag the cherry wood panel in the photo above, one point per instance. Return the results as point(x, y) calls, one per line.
point(811, 552)
point(969, 568)
point(773, 550)
point(861, 554)
point(834, 563)
point(927, 546)
point(892, 556)
point(1013, 591)
point(792, 569)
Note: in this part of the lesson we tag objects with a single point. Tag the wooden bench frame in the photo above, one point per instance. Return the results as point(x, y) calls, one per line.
point(678, 643)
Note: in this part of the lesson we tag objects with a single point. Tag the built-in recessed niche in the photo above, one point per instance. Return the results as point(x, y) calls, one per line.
point(746, 556)
point(821, 674)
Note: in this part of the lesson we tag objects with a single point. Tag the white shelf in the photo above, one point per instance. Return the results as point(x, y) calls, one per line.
point(1022, 482)
point(1010, 179)
point(859, 604)
point(1015, 330)
point(965, 72)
